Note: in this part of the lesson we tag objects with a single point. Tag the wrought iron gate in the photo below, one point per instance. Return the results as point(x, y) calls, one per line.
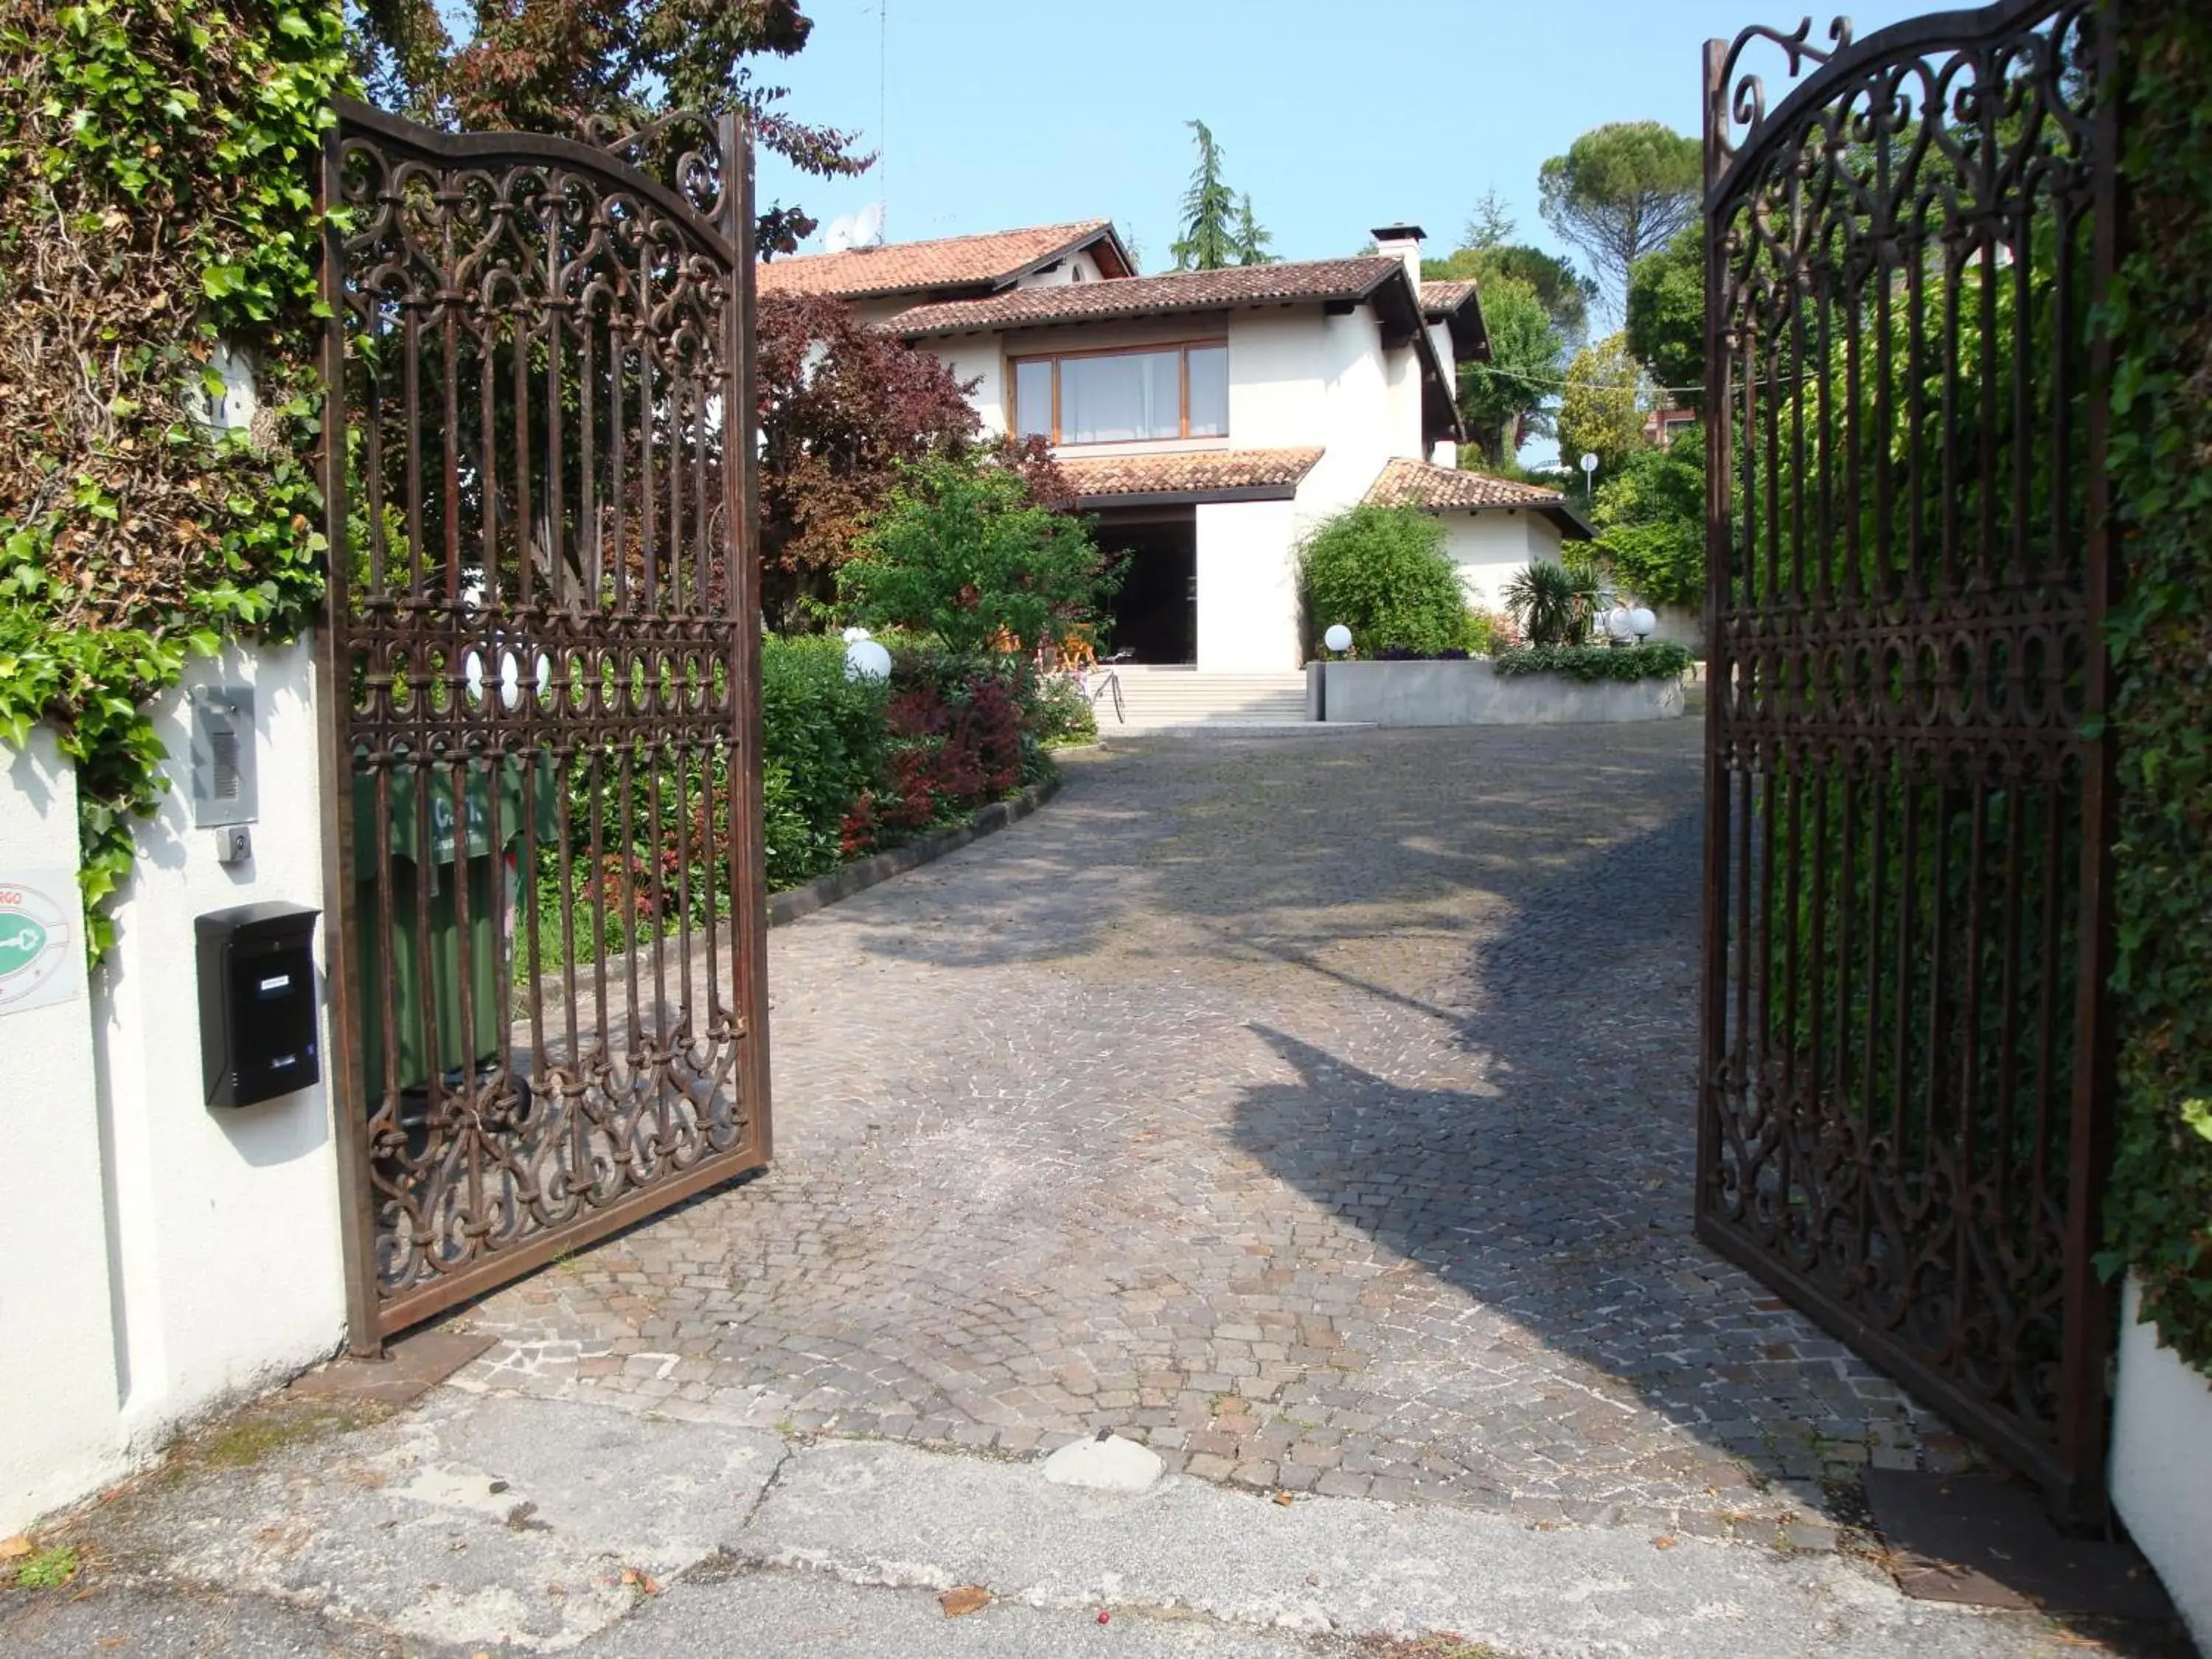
point(538, 671)
point(1905, 1084)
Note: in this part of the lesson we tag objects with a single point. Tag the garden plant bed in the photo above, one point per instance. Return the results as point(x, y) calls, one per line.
point(1449, 692)
point(865, 873)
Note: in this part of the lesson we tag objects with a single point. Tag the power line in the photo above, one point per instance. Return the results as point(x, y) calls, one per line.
point(1537, 381)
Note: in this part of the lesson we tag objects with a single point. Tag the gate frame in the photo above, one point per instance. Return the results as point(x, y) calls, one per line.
point(2071, 1470)
point(367, 1327)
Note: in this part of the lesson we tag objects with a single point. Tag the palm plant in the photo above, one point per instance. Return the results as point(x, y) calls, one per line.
point(1555, 604)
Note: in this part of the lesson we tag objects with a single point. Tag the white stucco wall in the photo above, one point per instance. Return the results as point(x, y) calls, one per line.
point(1680, 625)
point(1248, 602)
point(2160, 1476)
point(1076, 268)
point(1491, 547)
point(1447, 354)
point(979, 358)
point(226, 1222)
point(57, 1390)
point(1298, 378)
point(1403, 369)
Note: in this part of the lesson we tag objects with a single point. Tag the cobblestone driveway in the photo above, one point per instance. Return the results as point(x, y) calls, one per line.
point(1318, 1110)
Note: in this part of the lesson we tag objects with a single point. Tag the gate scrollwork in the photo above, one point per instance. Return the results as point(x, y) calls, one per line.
point(539, 672)
point(1903, 1104)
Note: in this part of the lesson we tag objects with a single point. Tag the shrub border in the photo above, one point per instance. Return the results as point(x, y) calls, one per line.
point(1657, 660)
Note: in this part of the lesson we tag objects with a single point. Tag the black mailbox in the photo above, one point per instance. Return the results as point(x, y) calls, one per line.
point(258, 1024)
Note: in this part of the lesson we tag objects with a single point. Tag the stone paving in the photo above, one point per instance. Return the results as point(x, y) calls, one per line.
point(1316, 1110)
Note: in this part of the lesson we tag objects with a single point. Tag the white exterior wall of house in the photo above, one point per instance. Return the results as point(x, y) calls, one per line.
point(981, 358)
point(182, 1256)
point(58, 1394)
point(1491, 546)
point(226, 1221)
point(207, 1201)
point(1247, 599)
point(1081, 267)
point(1296, 380)
point(2161, 1472)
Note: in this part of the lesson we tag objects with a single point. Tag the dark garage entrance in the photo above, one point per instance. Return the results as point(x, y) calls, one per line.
point(1155, 614)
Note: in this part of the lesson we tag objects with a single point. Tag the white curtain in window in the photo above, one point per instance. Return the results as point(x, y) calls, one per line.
point(1209, 392)
point(1116, 399)
point(1033, 398)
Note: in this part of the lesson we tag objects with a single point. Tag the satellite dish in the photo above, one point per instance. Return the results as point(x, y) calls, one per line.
point(856, 230)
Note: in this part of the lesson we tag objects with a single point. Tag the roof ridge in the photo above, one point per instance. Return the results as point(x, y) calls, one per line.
point(1069, 226)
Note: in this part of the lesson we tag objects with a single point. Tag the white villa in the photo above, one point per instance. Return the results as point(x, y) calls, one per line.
point(1209, 418)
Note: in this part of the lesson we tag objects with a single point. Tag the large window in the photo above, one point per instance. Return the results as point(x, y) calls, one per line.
point(1124, 397)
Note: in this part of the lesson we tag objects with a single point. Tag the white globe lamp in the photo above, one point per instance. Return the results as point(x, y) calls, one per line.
point(1641, 622)
point(1338, 639)
point(868, 660)
point(1617, 623)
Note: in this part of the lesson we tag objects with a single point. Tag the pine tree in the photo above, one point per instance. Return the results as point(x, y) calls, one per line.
point(1209, 212)
point(1253, 238)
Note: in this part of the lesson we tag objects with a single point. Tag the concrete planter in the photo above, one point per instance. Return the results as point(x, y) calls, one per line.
point(2162, 1466)
point(1472, 693)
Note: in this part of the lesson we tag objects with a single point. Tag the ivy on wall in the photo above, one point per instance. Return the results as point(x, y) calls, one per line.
point(157, 158)
point(2159, 1202)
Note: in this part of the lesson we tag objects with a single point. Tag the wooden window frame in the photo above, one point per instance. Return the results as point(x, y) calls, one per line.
point(1182, 348)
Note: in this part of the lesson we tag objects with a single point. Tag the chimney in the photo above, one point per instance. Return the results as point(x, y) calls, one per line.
point(1402, 242)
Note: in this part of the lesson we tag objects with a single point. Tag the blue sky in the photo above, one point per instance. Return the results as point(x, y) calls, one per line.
point(1335, 117)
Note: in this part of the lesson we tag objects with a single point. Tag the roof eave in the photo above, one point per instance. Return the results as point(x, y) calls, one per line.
point(1102, 234)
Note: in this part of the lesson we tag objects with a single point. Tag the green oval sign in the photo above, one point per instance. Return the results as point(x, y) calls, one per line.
point(21, 938)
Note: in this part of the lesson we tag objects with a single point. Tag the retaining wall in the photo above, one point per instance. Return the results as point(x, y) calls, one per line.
point(162, 1257)
point(1471, 693)
point(2160, 1474)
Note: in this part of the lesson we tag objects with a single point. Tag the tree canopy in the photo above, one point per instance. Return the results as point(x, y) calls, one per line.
point(1487, 254)
point(1667, 316)
point(1503, 401)
point(963, 552)
point(1219, 228)
point(1650, 516)
point(1564, 292)
point(550, 65)
point(1602, 412)
point(842, 407)
point(1620, 191)
point(1490, 224)
point(1253, 238)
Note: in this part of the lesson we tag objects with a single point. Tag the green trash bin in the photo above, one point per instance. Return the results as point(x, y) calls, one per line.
point(495, 888)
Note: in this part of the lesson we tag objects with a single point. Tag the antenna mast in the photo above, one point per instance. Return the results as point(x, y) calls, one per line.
point(883, 121)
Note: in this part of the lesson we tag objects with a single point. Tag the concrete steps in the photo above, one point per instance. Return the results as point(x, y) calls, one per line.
point(1162, 697)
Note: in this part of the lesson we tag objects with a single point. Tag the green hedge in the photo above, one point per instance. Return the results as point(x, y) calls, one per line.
point(849, 766)
point(1382, 572)
point(822, 741)
point(1657, 660)
point(2158, 1207)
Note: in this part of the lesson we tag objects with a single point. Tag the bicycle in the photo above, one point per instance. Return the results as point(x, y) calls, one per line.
point(1112, 682)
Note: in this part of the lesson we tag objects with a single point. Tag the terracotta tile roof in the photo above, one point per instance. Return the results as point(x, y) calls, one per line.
point(1417, 483)
point(919, 267)
point(1438, 298)
point(1147, 296)
point(1190, 472)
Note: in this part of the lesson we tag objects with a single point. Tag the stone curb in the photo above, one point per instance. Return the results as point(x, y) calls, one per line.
point(864, 873)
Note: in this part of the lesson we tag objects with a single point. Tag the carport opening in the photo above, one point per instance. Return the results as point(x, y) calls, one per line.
point(1155, 614)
